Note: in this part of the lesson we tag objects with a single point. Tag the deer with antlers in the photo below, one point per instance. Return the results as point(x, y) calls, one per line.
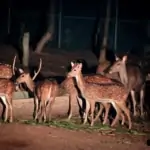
point(113, 93)
point(44, 92)
point(133, 79)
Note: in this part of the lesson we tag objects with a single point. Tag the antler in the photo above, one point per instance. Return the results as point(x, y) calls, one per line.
point(36, 73)
point(13, 66)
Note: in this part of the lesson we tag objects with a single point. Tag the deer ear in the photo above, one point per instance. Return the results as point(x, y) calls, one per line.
point(21, 70)
point(117, 58)
point(124, 59)
point(72, 63)
point(80, 65)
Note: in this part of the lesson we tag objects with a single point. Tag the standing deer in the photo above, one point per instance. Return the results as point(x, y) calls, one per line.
point(69, 85)
point(7, 88)
point(6, 70)
point(103, 93)
point(44, 93)
point(133, 79)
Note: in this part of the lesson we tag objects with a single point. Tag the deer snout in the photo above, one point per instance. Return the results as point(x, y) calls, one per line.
point(110, 71)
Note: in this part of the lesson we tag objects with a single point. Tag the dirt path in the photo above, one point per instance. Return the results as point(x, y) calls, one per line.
point(19, 136)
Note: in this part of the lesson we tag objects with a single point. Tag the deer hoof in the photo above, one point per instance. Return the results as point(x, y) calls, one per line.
point(92, 123)
point(11, 120)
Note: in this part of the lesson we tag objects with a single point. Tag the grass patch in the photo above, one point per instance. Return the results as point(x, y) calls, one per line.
point(75, 125)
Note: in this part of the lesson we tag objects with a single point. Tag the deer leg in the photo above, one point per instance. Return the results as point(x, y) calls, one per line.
point(81, 109)
point(99, 112)
point(71, 98)
point(36, 107)
point(44, 111)
point(107, 108)
point(9, 101)
point(92, 105)
point(125, 109)
point(6, 108)
point(118, 111)
point(51, 103)
point(39, 113)
point(86, 111)
point(134, 103)
point(142, 94)
point(123, 119)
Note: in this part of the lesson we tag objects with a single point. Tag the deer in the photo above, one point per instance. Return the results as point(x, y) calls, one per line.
point(132, 78)
point(114, 93)
point(69, 85)
point(6, 70)
point(44, 93)
point(7, 88)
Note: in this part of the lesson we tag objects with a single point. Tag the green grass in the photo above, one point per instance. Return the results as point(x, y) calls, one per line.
point(75, 125)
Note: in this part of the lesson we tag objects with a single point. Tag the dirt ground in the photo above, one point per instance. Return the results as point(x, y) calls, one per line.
point(20, 136)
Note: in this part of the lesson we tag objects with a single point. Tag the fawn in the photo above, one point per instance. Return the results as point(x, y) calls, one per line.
point(69, 86)
point(113, 93)
point(6, 70)
point(44, 93)
point(132, 78)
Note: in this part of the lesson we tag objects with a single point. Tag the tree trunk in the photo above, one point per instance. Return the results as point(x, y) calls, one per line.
point(49, 34)
point(25, 45)
point(103, 63)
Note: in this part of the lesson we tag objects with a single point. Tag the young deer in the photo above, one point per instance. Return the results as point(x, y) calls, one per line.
point(103, 93)
point(69, 86)
point(6, 70)
point(132, 78)
point(7, 88)
point(44, 93)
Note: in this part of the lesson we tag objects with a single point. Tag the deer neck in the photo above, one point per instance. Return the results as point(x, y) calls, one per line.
point(123, 75)
point(30, 84)
point(80, 83)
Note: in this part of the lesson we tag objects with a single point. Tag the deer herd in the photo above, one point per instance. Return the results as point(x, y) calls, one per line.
point(88, 89)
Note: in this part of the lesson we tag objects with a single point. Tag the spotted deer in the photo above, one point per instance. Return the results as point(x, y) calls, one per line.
point(132, 78)
point(69, 85)
point(113, 93)
point(44, 93)
point(6, 70)
point(7, 88)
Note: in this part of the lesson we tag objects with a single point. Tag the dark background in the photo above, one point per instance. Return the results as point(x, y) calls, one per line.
point(78, 22)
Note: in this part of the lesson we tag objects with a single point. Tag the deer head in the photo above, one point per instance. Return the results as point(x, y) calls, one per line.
point(26, 78)
point(120, 67)
point(75, 70)
point(117, 66)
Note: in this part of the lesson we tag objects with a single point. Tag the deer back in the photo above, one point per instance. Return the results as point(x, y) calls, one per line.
point(136, 77)
point(47, 89)
point(113, 91)
point(7, 87)
point(6, 71)
point(69, 83)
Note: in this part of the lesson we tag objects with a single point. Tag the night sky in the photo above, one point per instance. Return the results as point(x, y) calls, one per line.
point(128, 9)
